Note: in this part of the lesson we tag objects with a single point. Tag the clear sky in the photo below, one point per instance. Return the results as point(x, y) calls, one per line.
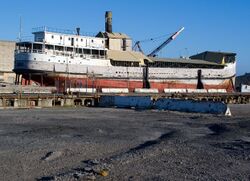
point(216, 25)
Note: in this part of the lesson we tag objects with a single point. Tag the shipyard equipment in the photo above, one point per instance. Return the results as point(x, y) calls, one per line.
point(138, 46)
point(172, 37)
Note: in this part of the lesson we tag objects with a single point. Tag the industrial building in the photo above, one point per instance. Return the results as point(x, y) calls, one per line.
point(243, 83)
point(7, 49)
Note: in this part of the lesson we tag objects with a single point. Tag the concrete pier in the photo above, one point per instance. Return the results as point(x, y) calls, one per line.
point(44, 101)
point(68, 102)
point(51, 100)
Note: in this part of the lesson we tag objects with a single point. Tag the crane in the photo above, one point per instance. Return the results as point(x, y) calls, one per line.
point(172, 37)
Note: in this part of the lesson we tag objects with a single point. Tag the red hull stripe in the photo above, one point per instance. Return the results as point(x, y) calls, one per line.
point(62, 83)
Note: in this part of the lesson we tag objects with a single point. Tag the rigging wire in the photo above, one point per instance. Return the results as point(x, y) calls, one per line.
point(157, 38)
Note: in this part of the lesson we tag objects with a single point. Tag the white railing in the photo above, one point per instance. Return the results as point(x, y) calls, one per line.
point(62, 31)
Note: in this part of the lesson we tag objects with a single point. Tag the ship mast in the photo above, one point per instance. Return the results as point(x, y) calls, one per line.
point(20, 29)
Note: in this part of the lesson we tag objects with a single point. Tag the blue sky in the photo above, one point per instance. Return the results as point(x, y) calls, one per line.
point(217, 25)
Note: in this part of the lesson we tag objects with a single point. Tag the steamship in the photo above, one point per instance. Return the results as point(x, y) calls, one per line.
point(69, 60)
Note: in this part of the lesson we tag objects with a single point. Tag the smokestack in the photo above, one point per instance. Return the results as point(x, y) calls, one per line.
point(78, 31)
point(108, 21)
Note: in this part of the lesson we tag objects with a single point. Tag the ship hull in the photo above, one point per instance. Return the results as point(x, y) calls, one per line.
point(64, 82)
point(95, 73)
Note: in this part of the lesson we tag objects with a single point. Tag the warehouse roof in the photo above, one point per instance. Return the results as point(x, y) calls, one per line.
point(127, 56)
point(213, 52)
point(112, 35)
point(224, 53)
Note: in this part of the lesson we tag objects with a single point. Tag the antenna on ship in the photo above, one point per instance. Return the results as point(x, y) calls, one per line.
point(78, 31)
point(20, 29)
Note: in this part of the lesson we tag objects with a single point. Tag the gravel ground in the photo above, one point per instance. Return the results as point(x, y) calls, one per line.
point(122, 144)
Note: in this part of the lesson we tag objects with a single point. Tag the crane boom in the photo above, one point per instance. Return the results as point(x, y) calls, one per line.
point(172, 37)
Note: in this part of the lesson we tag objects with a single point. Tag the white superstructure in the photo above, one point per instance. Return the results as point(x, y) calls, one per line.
point(62, 38)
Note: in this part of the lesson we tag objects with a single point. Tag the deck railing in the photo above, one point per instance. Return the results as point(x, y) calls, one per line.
point(63, 31)
point(61, 53)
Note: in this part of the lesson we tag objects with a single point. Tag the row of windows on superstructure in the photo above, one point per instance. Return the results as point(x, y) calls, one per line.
point(152, 74)
point(229, 59)
point(76, 50)
point(124, 63)
point(182, 65)
point(61, 50)
point(165, 64)
point(71, 49)
point(52, 36)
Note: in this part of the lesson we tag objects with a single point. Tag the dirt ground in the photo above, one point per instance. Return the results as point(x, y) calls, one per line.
point(121, 144)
